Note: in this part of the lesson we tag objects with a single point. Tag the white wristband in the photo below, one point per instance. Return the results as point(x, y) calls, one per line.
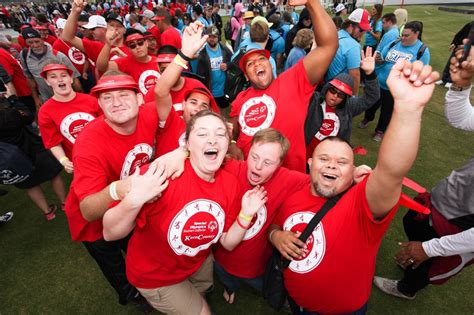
point(113, 191)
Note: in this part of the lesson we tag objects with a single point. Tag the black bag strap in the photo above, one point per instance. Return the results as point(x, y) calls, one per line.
point(328, 205)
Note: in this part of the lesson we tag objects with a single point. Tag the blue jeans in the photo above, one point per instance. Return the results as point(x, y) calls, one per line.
point(232, 283)
point(298, 310)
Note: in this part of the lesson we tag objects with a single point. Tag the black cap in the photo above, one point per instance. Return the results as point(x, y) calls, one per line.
point(30, 33)
point(116, 17)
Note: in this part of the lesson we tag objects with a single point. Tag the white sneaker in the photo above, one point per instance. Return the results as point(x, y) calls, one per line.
point(6, 217)
point(391, 287)
point(439, 82)
point(448, 85)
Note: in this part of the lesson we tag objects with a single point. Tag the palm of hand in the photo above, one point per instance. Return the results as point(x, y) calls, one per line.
point(368, 63)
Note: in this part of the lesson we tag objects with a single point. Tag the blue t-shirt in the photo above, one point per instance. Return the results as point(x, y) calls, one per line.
point(391, 35)
point(180, 25)
point(295, 16)
point(286, 28)
point(392, 55)
point(203, 20)
point(369, 39)
point(296, 53)
point(278, 46)
point(347, 56)
point(217, 75)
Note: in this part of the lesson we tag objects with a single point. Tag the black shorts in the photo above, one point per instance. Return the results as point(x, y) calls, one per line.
point(46, 167)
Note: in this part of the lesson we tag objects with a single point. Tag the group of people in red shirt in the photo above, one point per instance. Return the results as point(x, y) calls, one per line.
point(155, 172)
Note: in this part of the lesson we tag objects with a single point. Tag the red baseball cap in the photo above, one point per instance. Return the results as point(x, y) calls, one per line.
point(165, 57)
point(158, 18)
point(40, 27)
point(54, 66)
point(250, 51)
point(114, 82)
point(341, 86)
point(361, 16)
point(205, 92)
point(134, 37)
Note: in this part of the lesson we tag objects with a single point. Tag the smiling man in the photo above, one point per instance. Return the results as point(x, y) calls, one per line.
point(282, 103)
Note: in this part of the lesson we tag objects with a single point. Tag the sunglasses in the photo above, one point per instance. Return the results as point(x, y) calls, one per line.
point(134, 44)
point(339, 94)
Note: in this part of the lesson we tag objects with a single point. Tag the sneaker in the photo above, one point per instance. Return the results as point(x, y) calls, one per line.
point(364, 123)
point(439, 82)
point(391, 287)
point(50, 215)
point(141, 304)
point(378, 136)
point(448, 85)
point(4, 218)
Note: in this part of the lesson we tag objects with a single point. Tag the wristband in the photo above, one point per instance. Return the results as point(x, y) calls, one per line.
point(271, 234)
point(185, 58)
point(113, 191)
point(241, 225)
point(180, 62)
point(233, 141)
point(245, 217)
point(64, 158)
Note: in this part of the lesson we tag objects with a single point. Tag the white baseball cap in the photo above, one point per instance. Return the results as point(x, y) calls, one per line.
point(60, 23)
point(340, 7)
point(95, 21)
point(148, 14)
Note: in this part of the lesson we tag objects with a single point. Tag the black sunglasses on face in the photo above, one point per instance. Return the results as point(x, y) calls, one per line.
point(339, 94)
point(134, 44)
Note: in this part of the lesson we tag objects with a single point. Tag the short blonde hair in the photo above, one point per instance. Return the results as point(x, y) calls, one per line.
point(270, 135)
point(304, 38)
point(402, 16)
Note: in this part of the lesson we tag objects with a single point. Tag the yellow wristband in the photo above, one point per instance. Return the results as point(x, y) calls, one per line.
point(64, 158)
point(233, 141)
point(245, 217)
point(180, 62)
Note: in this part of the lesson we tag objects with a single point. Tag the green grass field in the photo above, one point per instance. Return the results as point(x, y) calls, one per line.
point(43, 271)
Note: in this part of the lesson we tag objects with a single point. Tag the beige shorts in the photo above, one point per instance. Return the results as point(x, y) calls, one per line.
point(184, 297)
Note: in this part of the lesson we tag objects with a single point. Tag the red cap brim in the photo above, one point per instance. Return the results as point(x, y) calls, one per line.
point(204, 92)
point(250, 53)
point(341, 86)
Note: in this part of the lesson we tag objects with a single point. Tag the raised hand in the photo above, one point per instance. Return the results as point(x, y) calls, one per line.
point(360, 172)
point(411, 84)
point(461, 74)
point(112, 37)
point(78, 5)
point(253, 200)
point(148, 186)
point(367, 62)
point(192, 39)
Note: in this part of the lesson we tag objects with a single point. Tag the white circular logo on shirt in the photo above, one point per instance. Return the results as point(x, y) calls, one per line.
point(76, 56)
point(138, 156)
point(256, 114)
point(147, 80)
point(329, 127)
point(72, 125)
point(182, 140)
point(316, 242)
point(196, 227)
point(257, 223)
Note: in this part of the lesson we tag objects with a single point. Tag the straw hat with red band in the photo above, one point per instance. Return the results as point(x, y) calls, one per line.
point(250, 51)
point(114, 82)
point(54, 66)
point(165, 57)
point(204, 92)
point(341, 86)
point(133, 37)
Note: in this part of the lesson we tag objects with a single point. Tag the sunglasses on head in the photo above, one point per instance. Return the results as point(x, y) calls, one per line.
point(135, 43)
point(339, 94)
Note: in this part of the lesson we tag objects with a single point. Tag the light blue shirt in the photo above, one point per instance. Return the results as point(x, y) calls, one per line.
point(278, 46)
point(295, 16)
point(347, 56)
point(392, 55)
point(296, 53)
point(369, 39)
point(217, 75)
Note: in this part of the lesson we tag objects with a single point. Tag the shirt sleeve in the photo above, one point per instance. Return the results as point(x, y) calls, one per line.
point(353, 58)
point(450, 245)
point(458, 109)
point(49, 133)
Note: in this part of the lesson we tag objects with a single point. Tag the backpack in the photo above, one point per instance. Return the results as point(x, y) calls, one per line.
point(15, 166)
point(420, 52)
point(228, 29)
point(235, 81)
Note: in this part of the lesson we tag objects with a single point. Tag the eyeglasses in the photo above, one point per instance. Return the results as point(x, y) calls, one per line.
point(407, 35)
point(339, 94)
point(134, 44)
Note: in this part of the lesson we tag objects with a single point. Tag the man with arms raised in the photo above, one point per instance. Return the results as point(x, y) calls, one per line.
point(282, 103)
point(337, 263)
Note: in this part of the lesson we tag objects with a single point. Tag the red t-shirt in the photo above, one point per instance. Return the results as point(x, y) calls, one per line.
point(329, 127)
point(250, 257)
point(170, 134)
point(78, 59)
point(258, 109)
point(61, 122)
point(21, 41)
point(50, 40)
point(174, 235)
point(155, 31)
point(177, 97)
point(102, 156)
point(92, 49)
point(145, 73)
point(13, 68)
point(171, 37)
point(336, 275)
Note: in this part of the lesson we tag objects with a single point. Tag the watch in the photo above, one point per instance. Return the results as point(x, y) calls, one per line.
point(459, 88)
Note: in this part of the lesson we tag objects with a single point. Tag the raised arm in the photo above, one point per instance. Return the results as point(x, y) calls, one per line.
point(411, 85)
point(191, 42)
point(318, 60)
point(112, 37)
point(69, 32)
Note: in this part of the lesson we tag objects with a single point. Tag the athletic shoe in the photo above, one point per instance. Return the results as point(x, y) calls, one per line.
point(378, 136)
point(391, 287)
point(439, 82)
point(50, 215)
point(4, 218)
point(141, 304)
point(364, 123)
point(448, 85)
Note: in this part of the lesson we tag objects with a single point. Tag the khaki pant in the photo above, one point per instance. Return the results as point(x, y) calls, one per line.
point(185, 297)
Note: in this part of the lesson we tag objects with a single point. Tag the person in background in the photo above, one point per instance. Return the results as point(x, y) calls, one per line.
point(302, 42)
point(374, 35)
point(236, 22)
point(402, 18)
point(169, 34)
point(341, 11)
point(244, 32)
point(304, 22)
point(216, 18)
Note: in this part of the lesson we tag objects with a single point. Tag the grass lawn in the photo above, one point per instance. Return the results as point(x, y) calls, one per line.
point(43, 271)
